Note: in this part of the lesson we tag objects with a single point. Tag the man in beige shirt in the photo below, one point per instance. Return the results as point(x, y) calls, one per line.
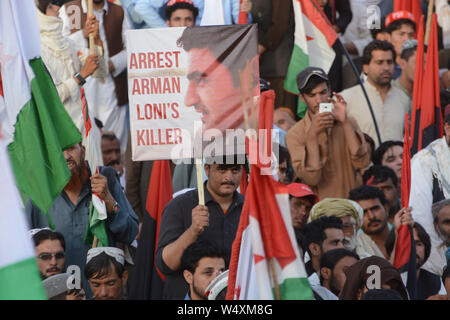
point(389, 103)
point(326, 148)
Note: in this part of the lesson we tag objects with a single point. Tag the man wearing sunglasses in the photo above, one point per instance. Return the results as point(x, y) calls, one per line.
point(50, 252)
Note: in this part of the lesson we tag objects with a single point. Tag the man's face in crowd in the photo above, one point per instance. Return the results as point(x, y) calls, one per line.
point(211, 91)
point(447, 132)
point(74, 157)
point(108, 287)
point(283, 173)
point(181, 18)
point(283, 120)
point(334, 240)
point(420, 249)
point(300, 208)
point(380, 69)
point(223, 179)
point(375, 217)
point(337, 278)
point(51, 257)
point(389, 190)
point(408, 67)
point(349, 228)
point(208, 268)
point(397, 37)
point(319, 94)
point(392, 158)
point(442, 226)
point(111, 153)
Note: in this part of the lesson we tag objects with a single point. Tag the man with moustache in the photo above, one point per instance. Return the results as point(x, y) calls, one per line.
point(50, 251)
point(375, 220)
point(184, 221)
point(70, 211)
point(389, 103)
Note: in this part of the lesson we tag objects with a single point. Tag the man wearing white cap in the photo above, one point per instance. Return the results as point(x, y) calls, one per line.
point(106, 272)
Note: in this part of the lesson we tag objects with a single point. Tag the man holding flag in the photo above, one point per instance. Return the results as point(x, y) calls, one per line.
point(70, 211)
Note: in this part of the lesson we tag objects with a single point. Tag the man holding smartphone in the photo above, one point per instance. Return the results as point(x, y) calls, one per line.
point(326, 147)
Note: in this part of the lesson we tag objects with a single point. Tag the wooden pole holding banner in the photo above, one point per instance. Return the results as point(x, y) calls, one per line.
point(429, 18)
point(201, 193)
point(90, 10)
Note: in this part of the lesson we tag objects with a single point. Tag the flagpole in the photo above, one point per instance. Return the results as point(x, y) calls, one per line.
point(429, 18)
point(349, 59)
point(274, 278)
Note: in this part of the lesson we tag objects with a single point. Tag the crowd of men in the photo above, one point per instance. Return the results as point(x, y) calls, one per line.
point(344, 183)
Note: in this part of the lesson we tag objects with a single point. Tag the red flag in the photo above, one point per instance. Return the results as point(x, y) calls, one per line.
point(244, 181)
point(406, 165)
point(159, 194)
point(412, 6)
point(243, 16)
point(405, 253)
point(146, 281)
point(431, 125)
point(417, 89)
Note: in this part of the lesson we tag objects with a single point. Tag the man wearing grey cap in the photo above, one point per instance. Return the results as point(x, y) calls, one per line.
point(407, 62)
point(326, 147)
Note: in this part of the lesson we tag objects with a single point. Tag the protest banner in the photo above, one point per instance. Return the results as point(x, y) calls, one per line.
point(184, 86)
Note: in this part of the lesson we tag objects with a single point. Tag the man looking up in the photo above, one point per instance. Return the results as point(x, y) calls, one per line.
point(326, 148)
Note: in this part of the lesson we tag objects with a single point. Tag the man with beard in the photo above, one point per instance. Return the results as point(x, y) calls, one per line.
point(318, 237)
point(50, 252)
point(430, 183)
point(389, 103)
point(375, 220)
point(428, 283)
point(201, 263)
point(184, 221)
point(70, 211)
point(111, 154)
point(441, 222)
point(332, 266)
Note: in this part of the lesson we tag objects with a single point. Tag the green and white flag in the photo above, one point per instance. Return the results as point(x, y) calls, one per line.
point(313, 41)
point(34, 124)
point(19, 275)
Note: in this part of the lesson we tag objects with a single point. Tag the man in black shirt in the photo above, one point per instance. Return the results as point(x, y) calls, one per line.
point(184, 221)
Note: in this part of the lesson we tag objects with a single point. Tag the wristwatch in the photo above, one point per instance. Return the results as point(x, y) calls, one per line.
point(80, 78)
point(115, 207)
